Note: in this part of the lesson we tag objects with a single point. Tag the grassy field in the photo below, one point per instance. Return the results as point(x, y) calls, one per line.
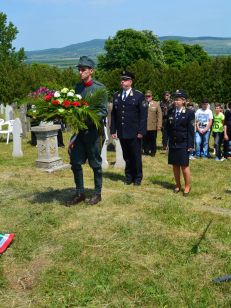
point(134, 249)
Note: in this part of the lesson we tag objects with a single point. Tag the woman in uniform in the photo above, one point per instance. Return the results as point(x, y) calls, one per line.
point(180, 130)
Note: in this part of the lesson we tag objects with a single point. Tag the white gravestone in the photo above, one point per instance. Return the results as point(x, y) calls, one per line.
point(8, 113)
point(120, 163)
point(2, 109)
point(17, 138)
point(105, 163)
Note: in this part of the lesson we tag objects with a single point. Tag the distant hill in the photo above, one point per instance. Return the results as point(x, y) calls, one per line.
point(67, 56)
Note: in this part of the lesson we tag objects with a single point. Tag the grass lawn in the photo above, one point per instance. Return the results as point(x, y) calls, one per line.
point(134, 249)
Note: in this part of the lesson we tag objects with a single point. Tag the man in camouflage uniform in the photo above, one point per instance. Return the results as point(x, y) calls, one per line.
point(87, 144)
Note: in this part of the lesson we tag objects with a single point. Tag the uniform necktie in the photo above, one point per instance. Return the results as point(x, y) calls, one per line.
point(124, 95)
point(177, 114)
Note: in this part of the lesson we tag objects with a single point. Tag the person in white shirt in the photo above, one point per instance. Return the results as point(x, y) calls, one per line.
point(204, 118)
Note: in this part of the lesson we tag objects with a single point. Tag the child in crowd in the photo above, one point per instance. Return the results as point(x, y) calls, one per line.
point(204, 117)
point(227, 132)
point(218, 130)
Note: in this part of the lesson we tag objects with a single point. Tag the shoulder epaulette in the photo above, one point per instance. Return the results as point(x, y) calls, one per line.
point(139, 91)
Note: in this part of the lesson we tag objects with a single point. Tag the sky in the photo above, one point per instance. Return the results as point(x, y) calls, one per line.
point(44, 24)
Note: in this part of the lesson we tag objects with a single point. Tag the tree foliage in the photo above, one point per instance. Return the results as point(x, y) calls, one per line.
point(127, 47)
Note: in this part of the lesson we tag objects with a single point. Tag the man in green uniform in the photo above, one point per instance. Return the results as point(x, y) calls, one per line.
point(87, 143)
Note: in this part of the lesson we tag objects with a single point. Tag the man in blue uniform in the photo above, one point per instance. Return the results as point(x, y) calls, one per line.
point(129, 124)
point(87, 144)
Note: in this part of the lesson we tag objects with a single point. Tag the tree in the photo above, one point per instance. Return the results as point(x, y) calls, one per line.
point(195, 53)
point(174, 53)
point(10, 60)
point(127, 47)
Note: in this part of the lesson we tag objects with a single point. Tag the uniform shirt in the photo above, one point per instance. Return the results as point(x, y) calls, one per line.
point(180, 129)
point(129, 117)
point(154, 121)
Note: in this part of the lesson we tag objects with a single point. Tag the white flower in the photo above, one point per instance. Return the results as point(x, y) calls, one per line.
point(64, 90)
point(70, 94)
point(72, 90)
point(78, 96)
point(56, 94)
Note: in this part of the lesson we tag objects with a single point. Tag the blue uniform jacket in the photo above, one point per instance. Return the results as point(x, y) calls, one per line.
point(129, 117)
point(181, 130)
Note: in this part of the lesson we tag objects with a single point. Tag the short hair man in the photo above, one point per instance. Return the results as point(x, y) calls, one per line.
point(154, 124)
point(129, 124)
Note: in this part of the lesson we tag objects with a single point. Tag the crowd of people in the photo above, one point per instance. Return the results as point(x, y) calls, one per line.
point(136, 119)
point(210, 122)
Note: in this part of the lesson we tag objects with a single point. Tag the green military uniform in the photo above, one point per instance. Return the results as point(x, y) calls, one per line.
point(88, 143)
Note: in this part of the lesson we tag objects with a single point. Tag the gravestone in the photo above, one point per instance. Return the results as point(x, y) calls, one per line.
point(8, 113)
point(23, 118)
point(120, 163)
point(17, 138)
point(47, 146)
point(105, 163)
point(2, 109)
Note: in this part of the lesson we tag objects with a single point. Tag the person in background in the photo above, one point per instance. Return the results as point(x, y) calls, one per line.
point(227, 132)
point(204, 118)
point(218, 131)
point(190, 105)
point(86, 145)
point(180, 129)
point(129, 124)
point(165, 105)
point(154, 124)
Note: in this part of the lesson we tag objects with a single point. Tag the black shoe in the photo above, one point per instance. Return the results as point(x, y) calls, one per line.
point(94, 199)
point(75, 200)
point(185, 194)
point(176, 190)
point(137, 183)
point(152, 154)
point(128, 182)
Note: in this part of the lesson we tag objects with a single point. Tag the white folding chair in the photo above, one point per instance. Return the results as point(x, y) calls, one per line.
point(9, 129)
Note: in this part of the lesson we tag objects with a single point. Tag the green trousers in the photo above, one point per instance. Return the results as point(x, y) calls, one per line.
point(87, 146)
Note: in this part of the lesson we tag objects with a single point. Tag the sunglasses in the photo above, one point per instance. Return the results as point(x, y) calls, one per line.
point(148, 96)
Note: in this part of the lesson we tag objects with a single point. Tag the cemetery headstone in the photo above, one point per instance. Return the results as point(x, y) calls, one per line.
point(120, 163)
point(9, 113)
point(17, 138)
point(23, 118)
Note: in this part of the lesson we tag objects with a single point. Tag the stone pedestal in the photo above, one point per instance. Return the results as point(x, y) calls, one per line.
point(47, 145)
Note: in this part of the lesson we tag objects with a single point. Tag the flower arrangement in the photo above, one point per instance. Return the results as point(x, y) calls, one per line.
point(67, 106)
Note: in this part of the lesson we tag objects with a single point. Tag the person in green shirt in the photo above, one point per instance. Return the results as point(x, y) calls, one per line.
point(218, 130)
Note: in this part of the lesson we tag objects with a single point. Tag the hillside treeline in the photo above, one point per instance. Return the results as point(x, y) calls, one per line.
point(157, 66)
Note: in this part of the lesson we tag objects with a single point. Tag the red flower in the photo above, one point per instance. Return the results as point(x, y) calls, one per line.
point(76, 104)
point(85, 103)
point(55, 102)
point(66, 104)
point(48, 97)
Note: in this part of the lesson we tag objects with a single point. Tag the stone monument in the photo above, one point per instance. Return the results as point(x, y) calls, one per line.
point(17, 138)
point(8, 113)
point(120, 163)
point(47, 145)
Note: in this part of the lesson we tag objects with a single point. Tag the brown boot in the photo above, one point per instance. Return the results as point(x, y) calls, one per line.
point(94, 199)
point(76, 199)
